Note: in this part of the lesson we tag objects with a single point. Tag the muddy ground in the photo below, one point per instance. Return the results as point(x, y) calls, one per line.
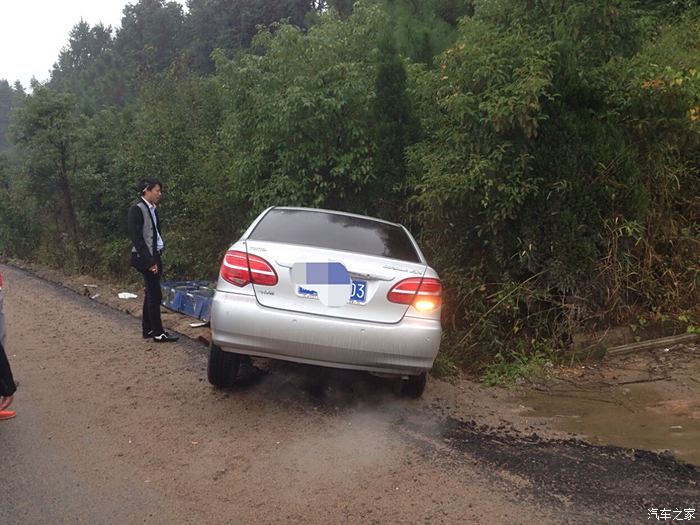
point(114, 429)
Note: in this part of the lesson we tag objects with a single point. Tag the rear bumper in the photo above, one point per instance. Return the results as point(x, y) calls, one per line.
point(239, 324)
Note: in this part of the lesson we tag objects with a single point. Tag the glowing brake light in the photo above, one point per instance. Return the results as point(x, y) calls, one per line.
point(424, 294)
point(240, 269)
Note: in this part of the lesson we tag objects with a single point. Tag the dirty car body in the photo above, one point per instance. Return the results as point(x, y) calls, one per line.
point(389, 324)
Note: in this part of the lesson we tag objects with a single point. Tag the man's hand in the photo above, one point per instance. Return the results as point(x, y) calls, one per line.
point(153, 269)
point(6, 401)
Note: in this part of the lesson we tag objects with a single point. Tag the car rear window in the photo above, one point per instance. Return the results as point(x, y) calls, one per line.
point(336, 232)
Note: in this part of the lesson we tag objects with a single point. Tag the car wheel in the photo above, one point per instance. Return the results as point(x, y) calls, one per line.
point(413, 386)
point(222, 370)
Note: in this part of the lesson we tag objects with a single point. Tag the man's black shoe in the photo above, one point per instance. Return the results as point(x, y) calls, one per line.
point(148, 335)
point(165, 337)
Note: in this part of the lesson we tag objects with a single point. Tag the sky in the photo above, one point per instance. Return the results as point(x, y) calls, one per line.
point(32, 32)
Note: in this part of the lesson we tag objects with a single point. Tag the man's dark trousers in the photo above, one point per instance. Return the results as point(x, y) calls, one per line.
point(7, 382)
point(150, 320)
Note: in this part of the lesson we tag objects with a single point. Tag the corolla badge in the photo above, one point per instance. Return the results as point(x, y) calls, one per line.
point(329, 280)
point(399, 269)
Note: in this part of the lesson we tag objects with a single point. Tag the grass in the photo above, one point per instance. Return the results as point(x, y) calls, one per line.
point(513, 367)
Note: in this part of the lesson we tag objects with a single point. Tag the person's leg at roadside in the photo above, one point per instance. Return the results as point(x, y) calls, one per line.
point(145, 316)
point(151, 322)
point(7, 386)
point(152, 301)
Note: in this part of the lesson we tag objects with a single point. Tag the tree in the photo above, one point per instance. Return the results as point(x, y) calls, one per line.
point(151, 36)
point(176, 139)
point(420, 30)
point(230, 25)
point(11, 99)
point(46, 129)
point(88, 68)
point(19, 227)
point(299, 112)
point(396, 128)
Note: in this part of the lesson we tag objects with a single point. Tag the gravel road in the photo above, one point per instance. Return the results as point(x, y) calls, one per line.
point(115, 429)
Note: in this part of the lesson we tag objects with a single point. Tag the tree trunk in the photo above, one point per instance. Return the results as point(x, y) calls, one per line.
point(70, 217)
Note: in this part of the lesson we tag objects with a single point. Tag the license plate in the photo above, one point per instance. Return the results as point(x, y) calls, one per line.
point(358, 295)
point(359, 292)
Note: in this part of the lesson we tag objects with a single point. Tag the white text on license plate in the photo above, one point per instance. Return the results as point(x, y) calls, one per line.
point(358, 295)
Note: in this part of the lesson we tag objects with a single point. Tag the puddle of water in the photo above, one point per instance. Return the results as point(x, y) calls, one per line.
point(635, 416)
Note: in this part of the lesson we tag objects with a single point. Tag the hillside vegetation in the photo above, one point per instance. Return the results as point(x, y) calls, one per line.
point(544, 152)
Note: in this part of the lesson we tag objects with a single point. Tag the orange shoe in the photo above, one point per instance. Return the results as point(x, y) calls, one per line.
point(7, 414)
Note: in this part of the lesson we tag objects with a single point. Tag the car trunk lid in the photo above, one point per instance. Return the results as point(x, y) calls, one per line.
point(372, 278)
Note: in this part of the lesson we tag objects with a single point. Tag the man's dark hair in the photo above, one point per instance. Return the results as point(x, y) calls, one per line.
point(148, 184)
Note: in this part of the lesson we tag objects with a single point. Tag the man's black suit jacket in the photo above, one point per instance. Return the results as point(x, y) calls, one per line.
point(142, 259)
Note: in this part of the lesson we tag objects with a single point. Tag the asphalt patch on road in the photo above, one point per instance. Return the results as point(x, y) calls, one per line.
point(591, 483)
point(610, 482)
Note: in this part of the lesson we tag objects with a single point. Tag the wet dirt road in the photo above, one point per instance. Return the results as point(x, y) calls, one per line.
point(112, 429)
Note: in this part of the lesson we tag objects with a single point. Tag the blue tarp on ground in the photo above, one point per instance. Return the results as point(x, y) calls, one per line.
point(191, 298)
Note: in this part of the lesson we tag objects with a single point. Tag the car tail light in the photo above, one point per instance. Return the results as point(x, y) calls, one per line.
point(240, 268)
point(1, 281)
point(424, 294)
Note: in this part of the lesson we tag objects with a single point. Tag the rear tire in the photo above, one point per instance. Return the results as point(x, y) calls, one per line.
point(414, 386)
point(223, 367)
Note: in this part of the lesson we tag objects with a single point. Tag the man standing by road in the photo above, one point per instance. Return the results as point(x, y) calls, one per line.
point(144, 231)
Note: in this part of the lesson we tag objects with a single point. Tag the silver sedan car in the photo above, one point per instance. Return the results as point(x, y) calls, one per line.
point(326, 288)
